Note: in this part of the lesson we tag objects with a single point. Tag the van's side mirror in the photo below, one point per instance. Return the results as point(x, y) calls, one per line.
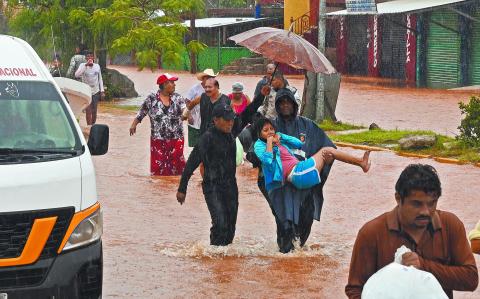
point(98, 140)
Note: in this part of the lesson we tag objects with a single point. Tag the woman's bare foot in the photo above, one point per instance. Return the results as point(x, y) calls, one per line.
point(365, 164)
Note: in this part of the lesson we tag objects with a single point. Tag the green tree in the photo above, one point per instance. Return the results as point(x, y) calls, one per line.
point(3, 17)
point(234, 3)
point(45, 23)
point(470, 125)
point(150, 28)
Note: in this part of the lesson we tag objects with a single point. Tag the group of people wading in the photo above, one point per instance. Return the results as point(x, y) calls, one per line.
point(294, 157)
point(293, 154)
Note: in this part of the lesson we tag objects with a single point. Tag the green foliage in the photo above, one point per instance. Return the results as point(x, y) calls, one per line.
point(233, 3)
point(196, 47)
point(470, 125)
point(117, 26)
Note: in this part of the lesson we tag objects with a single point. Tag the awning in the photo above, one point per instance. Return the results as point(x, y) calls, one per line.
point(401, 6)
point(220, 22)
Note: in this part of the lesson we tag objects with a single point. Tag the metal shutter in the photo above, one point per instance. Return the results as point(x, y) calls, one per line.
point(475, 51)
point(394, 47)
point(357, 51)
point(443, 50)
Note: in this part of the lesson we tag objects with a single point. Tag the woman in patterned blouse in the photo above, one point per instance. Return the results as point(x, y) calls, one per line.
point(164, 109)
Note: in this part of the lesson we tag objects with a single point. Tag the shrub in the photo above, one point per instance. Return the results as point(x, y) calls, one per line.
point(470, 125)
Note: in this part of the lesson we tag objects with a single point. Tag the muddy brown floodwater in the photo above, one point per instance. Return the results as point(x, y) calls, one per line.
point(155, 248)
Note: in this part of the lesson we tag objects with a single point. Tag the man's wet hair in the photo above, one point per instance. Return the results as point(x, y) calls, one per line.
point(215, 82)
point(418, 177)
point(260, 123)
point(88, 52)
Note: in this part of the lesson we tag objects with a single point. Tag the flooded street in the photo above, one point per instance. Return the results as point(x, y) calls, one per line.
point(155, 248)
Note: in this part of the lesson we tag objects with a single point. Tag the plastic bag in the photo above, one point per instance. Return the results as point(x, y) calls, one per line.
point(239, 155)
point(396, 281)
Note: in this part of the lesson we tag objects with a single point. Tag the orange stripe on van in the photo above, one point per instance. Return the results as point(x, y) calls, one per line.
point(37, 238)
point(77, 218)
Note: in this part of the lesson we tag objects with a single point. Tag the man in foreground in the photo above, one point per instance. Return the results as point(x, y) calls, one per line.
point(436, 238)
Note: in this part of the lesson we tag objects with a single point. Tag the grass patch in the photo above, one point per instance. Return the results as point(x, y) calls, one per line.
point(378, 137)
point(330, 125)
point(122, 107)
point(445, 147)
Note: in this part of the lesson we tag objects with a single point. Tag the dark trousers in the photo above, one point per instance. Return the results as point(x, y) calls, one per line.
point(91, 110)
point(222, 203)
point(287, 231)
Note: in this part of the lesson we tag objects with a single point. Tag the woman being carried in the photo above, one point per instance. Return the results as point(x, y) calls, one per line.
point(279, 163)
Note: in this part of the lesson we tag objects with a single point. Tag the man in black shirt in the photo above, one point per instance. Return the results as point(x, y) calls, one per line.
point(207, 101)
point(216, 149)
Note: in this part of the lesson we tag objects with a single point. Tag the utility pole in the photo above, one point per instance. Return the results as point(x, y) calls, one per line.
point(320, 94)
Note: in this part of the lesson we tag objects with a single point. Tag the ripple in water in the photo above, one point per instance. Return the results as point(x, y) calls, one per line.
point(248, 248)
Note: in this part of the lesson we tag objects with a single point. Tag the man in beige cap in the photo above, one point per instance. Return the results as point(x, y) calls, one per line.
point(194, 119)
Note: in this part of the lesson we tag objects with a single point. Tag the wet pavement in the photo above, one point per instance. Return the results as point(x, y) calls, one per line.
point(155, 248)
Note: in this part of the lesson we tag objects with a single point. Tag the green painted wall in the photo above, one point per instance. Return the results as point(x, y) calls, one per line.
point(209, 58)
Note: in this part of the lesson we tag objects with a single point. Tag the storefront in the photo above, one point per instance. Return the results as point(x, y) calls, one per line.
point(443, 40)
point(393, 46)
point(474, 65)
point(410, 41)
point(358, 37)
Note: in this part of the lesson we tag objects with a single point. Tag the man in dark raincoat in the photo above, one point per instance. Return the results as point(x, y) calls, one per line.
point(216, 149)
point(295, 209)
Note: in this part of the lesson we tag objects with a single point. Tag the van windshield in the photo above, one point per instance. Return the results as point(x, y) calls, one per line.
point(33, 118)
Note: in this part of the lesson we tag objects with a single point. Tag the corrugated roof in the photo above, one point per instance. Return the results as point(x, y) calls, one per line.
point(218, 22)
point(401, 6)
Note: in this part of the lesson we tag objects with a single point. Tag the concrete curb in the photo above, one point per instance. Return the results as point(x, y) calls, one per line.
point(362, 147)
point(404, 154)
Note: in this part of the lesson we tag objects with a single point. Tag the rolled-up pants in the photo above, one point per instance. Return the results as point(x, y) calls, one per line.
point(91, 110)
point(222, 202)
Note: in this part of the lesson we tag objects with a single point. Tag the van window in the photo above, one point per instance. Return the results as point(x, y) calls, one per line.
point(34, 117)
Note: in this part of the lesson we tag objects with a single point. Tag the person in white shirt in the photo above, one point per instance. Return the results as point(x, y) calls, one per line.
point(194, 119)
point(91, 74)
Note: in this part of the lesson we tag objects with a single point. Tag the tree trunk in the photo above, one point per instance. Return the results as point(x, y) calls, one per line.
point(309, 100)
point(308, 108)
point(193, 56)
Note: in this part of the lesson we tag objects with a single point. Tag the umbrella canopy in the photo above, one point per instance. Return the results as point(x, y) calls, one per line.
point(285, 47)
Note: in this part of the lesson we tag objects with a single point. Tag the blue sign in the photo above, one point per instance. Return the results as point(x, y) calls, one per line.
point(366, 6)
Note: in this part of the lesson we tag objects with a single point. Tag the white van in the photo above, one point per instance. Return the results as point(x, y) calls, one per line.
point(50, 216)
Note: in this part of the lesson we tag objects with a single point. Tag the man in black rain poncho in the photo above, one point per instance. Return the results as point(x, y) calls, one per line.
point(216, 149)
point(295, 209)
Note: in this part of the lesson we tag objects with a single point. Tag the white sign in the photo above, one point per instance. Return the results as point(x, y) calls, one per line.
point(367, 6)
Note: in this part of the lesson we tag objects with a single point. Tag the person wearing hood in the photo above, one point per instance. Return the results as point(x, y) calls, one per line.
point(216, 149)
point(294, 209)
